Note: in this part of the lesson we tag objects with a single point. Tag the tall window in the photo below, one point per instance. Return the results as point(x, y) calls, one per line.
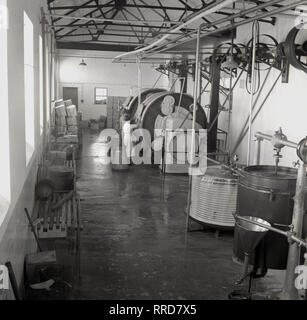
point(5, 187)
point(29, 86)
point(47, 87)
point(101, 95)
point(41, 86)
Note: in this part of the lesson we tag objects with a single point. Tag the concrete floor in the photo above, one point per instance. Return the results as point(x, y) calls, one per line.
point(134, 245)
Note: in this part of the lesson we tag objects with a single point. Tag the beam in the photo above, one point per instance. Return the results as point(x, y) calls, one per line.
point(94, 46)
point(126, 6)
point(114, 24)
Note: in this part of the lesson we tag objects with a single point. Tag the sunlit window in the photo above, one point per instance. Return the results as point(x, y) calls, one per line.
point(29, 86)
point(101, 95)
point(41, 84)
point(47, 88)
point(5, 189)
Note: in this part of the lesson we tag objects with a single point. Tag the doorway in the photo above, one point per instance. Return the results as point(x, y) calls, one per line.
point(71, 93)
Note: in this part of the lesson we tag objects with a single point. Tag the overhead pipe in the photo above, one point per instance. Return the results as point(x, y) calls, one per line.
point(229, 18)
point(240, 23)
point(205, 12)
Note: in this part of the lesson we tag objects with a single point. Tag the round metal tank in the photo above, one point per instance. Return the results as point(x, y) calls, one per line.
point(269, 196)
point(153, 109)
point(133, 105)
point(214, 198)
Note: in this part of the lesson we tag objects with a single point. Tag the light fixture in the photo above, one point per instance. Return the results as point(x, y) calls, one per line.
point(83, 63)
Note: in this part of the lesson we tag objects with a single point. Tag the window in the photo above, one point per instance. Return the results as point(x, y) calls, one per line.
point(41, 86)
point(29, 86)
point(5, 183)
point(101, 95)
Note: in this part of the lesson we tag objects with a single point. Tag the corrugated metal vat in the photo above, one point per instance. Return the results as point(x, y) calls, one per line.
point(214, 198)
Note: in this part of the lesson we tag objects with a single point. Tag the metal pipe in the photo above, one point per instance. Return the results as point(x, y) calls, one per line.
point(286, 143)
point(251, 106)
point(289, 291)
point(196, 90)
point(205, 12)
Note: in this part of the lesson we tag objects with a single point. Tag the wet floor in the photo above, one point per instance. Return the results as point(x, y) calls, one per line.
point(134, 245)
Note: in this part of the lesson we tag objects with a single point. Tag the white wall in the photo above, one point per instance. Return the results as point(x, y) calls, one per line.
point(15, 237)
point(120, 79)
point(286, 107)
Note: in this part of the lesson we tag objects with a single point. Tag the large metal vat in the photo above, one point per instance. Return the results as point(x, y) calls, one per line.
point(214, 198)
point(268, 196)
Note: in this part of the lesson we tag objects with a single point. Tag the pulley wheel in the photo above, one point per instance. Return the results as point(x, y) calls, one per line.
point(153, 110)
point(133, 105)
point(291, 48)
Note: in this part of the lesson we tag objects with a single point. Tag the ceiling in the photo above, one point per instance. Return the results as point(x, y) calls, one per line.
point(124, 25)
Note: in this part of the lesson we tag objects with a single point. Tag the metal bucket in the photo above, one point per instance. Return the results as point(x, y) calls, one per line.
point(267, 196)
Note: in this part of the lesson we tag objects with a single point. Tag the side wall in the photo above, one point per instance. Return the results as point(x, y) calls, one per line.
point(286, 107)
point(16, 239)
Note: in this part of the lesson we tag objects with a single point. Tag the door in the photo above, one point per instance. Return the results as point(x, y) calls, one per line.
point(71, 93)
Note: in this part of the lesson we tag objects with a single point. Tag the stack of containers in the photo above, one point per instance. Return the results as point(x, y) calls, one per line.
point(60, 119)
point(72, 119)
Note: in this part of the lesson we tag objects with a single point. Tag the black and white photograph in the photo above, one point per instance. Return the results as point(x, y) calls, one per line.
point(153, 153)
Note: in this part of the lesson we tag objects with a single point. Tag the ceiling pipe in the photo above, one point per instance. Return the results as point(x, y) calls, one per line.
point(240, 23)
point(202, 13)
point(226, 19)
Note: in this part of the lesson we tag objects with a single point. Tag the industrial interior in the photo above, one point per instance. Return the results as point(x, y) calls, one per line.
point(153, 150)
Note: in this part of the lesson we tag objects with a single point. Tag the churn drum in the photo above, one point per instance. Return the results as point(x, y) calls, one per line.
point(268, 195)
point(214, 198)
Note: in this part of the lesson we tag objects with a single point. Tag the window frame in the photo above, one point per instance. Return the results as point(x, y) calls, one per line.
point(98, 102)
